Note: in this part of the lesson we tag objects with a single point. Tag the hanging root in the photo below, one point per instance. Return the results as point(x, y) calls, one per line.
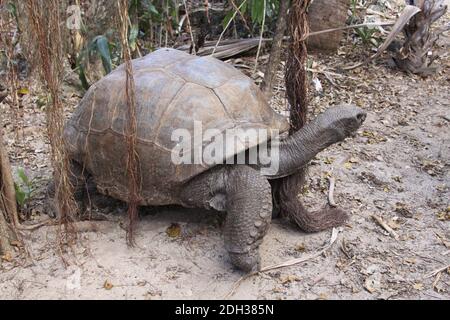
point(130, 136)
point(45, 29)
point(289, 206)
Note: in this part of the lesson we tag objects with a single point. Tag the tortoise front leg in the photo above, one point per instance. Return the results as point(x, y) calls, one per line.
point(249, 212)
point(246, 196)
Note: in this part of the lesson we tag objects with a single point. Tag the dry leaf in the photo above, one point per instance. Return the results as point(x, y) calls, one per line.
point(418, 286)
point(328, 160)
point(393, 224)
point(174, 230)
point(23, 91)
point(323, 296)
point(108, 285)
point(300, 247)
point(289, 279)
point(7, 257)
point(369, 285)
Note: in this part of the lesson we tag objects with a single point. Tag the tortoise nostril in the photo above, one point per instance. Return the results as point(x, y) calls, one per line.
point(361, 117)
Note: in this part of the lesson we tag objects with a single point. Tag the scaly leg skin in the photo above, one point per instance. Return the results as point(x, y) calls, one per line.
point(246, 196)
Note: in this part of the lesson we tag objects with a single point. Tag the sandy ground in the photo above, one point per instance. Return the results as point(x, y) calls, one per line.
point(397, 167)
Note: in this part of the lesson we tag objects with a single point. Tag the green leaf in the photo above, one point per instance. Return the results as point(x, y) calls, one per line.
point(12, 9)
point(134, 31)
point(20, 195)
point(152, 9)
point(102, 47)
point(82, 77)
point(227, 19)
point(23, 176)
point(257, 11)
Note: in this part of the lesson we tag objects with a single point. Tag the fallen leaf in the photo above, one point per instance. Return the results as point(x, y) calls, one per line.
point(23, 91)
point(289, 279)
point(443, 215)
point(16, 243)
point(323, 296)
point(393, 224)
point(300, 247)
point(347, 165)
point(7, 257)
point(108, 285)
point(328, 160)
point(418, 286)
point(368, 285)
point(174, 230)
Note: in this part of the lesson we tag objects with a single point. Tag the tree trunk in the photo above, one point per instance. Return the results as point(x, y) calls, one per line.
point(8, 207)
point(327, 14)
point(414, 56)
point(295, 76)
point(275, 52)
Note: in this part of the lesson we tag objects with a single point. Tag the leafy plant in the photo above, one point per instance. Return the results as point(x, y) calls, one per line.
point(255, 9)
point(367, 35)
point(24, 188)
point(99, 46)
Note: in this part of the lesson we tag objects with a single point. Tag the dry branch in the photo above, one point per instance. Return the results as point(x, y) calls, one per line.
point(227, 48)
point(384, 225)
point(435, 272)
point(275, 52)
point(260, 36)
point(331, 201)
point(8, 209)
point(226, 27)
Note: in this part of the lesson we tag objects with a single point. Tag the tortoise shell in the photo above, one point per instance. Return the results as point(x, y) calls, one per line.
point(173, 89)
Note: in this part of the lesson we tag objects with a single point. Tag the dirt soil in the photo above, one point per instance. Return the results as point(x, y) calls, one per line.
point(396, 167)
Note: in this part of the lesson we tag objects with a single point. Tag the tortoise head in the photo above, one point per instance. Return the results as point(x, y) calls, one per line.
point(342, 121)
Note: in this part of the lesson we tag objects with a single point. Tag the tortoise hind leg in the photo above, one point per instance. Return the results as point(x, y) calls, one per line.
point(78, 178)
point(246, 196)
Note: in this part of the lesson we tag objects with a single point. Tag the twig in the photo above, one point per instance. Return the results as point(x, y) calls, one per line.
point(436, 280)
point(385, 226)
point(334, 235)
point(435, 272)
point(260, 36)
point(331, 201)
point(353, 26)
point(226, 27)
point(189, 26)
point(240, 13)
point(47, 222)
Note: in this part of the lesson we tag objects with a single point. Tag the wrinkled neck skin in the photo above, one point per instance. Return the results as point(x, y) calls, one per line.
point(298, 149)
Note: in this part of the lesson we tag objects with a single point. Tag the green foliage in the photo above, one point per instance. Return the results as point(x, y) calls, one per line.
point(12, 9)
point(367, 35)
point(254, 9)
point(24, 188)
point(98, 46)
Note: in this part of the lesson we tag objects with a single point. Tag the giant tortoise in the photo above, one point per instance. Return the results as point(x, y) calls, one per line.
point(176, 90)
